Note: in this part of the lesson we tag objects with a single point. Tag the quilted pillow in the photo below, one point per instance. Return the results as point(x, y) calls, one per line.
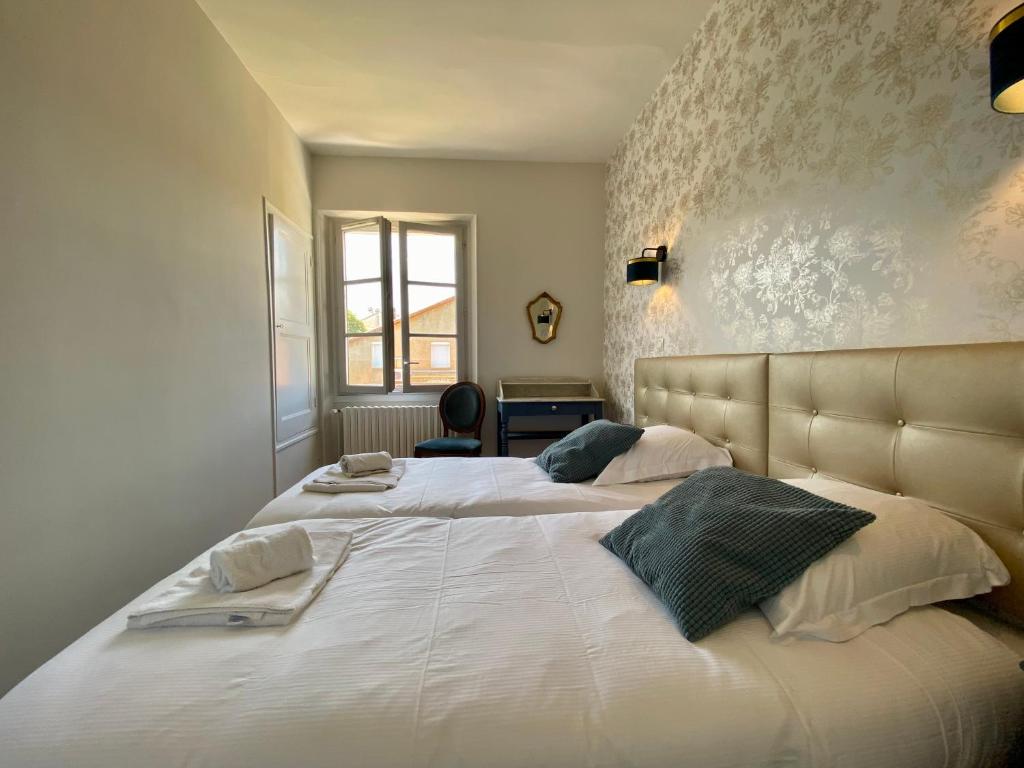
point(585, 452)
point(723, 540)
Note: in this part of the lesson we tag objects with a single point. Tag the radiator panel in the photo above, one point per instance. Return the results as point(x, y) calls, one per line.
point(392, 428)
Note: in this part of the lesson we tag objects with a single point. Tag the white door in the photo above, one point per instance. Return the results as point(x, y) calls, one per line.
point(293, 317)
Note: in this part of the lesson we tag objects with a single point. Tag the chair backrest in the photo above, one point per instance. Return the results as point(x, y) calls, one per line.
point(462, 408)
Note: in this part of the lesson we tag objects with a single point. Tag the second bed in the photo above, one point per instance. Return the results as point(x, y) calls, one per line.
point(461, 487)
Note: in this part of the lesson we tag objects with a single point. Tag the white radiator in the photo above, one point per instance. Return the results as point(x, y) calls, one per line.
point(392, 428)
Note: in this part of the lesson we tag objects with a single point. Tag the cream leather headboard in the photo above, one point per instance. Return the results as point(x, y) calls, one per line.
point(942, 424)
point(723, 398)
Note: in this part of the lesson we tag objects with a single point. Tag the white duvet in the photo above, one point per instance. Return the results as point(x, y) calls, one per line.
point(511, 642)
point(462, 487)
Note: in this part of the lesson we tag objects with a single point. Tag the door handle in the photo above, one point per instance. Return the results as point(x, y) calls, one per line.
point(279, 325)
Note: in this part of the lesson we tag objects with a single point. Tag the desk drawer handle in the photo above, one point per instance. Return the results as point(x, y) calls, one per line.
point(554, 407)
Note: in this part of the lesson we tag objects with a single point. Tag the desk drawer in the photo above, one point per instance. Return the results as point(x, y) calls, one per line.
point(551, 409)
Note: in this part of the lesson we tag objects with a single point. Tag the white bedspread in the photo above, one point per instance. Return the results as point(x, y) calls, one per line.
point(511, 642)
point(462, 487)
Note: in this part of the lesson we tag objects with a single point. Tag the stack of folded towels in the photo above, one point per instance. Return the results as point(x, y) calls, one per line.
point(247, 562)
point(358, 473)
point(258, 578)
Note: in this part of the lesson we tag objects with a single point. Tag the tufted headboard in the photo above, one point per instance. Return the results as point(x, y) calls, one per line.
point(723, 398)
point(941, 424)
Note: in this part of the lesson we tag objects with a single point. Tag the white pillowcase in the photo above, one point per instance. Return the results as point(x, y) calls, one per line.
point(912, 554)
point(661, 453)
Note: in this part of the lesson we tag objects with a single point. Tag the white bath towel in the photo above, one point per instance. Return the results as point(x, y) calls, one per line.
point(193, 601)
point(254, 558)
point(334, 480)
point(358, 464)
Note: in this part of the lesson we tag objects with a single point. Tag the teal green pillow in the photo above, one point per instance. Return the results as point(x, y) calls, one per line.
point(724, 540)
point(585, 452)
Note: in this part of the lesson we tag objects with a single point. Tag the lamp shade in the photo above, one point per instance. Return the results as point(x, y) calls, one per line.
point(642, 270)
point(1006, 55)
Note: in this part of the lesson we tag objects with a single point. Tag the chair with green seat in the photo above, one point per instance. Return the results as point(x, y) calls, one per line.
point(462, 408)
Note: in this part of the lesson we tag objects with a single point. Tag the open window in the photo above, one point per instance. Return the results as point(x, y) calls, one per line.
point(400, 306)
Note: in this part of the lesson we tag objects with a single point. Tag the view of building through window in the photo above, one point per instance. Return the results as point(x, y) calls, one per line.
point(425, 301)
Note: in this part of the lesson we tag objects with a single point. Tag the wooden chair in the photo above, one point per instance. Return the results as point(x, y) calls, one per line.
point(462, 408)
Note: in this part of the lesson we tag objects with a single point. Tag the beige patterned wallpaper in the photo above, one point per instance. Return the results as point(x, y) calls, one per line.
point(826, 173)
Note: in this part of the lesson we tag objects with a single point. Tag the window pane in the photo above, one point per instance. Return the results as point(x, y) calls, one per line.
point(361, 254)
point(432, 309)
point(431, 363)
point(359, 368)
point(377, 354)
point(431, 257)
point(363, 308)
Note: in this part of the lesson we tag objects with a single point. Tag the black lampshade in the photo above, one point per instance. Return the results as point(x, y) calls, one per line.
point(1006, 53)
point(642, 270)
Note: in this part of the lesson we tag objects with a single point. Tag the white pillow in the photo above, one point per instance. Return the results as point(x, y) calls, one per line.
point(663, 452)
point(911, 555)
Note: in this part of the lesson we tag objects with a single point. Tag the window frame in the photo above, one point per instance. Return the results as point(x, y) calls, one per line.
point(339, 350)
point(458, 338)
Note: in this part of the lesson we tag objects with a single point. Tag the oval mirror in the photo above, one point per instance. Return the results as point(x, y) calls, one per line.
point(544, 312)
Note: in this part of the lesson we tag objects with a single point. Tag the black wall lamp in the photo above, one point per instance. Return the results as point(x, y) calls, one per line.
point(645, 270)
point(1006, 57)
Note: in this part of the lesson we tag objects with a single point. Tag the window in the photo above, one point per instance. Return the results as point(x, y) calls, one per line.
point(399, 298)
point(440, 355)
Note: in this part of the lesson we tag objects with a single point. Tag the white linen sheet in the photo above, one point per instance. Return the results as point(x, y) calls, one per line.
point(506, 642)
point(462, 487)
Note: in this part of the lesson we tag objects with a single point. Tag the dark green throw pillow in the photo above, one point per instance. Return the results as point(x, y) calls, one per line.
point(585, 452)
point(724, 540)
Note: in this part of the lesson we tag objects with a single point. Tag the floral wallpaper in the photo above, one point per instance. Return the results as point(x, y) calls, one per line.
point(826, 173)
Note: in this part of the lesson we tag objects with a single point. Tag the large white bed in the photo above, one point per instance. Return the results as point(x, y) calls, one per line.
point(461, 487)
point(520, 641)
point(511, 642)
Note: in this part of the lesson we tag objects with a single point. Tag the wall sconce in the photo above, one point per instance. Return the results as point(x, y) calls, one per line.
point(1006, 57)
point(646, 270)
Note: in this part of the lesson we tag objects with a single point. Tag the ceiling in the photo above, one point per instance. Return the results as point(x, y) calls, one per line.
point(553, 80)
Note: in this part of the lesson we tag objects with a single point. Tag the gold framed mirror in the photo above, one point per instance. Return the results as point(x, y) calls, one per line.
point(544, 314)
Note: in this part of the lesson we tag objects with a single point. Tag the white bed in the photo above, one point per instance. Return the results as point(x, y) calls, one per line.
point(512, 642)
point(461, 487)
point(462, 639)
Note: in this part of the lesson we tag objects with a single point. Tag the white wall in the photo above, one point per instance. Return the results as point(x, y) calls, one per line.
point(539, 227)
point(133, 335)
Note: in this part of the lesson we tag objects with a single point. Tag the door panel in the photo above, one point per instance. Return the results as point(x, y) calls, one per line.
point(295, 380)
point(294, 370)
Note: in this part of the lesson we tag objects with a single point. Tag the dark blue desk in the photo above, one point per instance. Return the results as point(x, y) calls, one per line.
point(587, 409)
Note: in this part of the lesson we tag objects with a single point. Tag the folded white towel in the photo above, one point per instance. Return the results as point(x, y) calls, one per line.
point(193, 601)
point(356, 464)
point(252, 559)
point(334, 480)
